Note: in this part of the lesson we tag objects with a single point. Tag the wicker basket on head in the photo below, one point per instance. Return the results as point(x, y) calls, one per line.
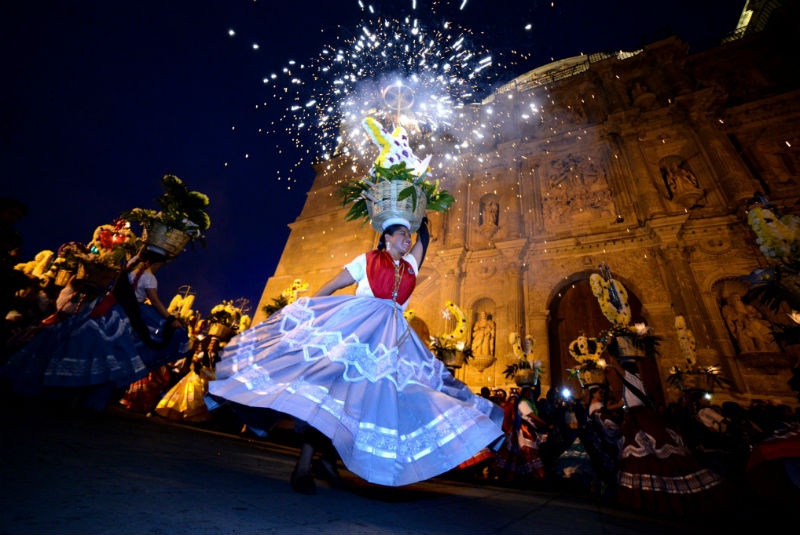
point(95, 274)
point(221, 331)
point(383, 204)
point(62, 277)
point(165, 240)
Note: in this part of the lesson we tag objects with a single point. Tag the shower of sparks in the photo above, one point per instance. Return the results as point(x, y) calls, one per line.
point(421, 71)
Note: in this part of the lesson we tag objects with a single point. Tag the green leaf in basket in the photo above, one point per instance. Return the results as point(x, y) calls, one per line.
point(405, 193)
point(353, 193)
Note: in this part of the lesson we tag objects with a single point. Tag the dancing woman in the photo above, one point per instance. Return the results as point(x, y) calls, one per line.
point(352, 368)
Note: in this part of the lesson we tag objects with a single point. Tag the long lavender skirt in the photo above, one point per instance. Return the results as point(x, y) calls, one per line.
point(353, 368)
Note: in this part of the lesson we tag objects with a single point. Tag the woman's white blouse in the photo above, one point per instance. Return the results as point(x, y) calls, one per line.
point(358, 270)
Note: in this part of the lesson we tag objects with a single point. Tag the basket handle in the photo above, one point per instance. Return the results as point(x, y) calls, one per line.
point(367, 193)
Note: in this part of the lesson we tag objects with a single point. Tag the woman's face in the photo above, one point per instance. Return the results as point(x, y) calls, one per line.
point(399, 242)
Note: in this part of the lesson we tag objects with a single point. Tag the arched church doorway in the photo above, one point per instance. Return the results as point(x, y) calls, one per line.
point(574, 311)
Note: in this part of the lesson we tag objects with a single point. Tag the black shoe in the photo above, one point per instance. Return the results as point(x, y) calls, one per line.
point(303, 484)
point(325, 470)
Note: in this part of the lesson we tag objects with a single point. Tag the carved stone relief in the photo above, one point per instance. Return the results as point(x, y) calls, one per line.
point(781, 159)
point(576, 190)
point(642, 97)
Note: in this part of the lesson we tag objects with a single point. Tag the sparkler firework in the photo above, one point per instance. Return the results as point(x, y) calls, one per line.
point(425, 74)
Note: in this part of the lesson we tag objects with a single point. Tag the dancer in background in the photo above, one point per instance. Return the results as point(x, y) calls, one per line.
point(656, 470)
point(519, 461)
point(185, 402)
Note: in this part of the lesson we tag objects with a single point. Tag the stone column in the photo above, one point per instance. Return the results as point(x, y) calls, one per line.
point(630, 178)
point(537, 328)
point(723, 157)
point(679, 278)
point(513, 275)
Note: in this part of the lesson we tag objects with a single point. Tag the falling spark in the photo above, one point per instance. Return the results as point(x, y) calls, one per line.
point(429, 76)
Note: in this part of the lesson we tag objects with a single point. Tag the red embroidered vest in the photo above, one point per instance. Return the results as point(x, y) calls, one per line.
point(381, 276)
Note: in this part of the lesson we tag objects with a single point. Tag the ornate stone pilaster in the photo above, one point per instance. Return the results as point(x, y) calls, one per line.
point(512, 253)
point(677, 275)
point(536, 326)
point(630, 179)
point(718, 149)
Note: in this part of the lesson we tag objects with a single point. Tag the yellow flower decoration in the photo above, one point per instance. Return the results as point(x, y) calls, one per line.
point(181, 305)
point(613, 299)
point(455, 338)
point(777, 236)
point(231, 314)
point(587, 351)
point(460, 329)
point(394, 147)
point(291, 293)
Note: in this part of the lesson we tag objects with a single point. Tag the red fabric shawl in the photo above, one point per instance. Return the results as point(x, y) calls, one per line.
point(380, 273)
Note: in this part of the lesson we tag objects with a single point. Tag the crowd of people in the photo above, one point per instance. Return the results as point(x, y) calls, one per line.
point(333, 366)
point(691, 456)
point(87, 326)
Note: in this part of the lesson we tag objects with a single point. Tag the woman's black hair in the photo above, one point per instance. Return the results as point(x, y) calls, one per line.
point(629, 365)
point(151, 256)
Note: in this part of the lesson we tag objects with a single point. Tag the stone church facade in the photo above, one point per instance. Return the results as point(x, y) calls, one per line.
point(642, 161)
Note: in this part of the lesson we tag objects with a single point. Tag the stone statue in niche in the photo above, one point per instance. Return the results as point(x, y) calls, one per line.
point(489, 217)
point(483, 334)
point(490, 213)
point(751, 332)
point(682, 185)
point(642, 97)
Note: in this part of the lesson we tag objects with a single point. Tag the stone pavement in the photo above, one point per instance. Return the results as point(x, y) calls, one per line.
point(66, 471)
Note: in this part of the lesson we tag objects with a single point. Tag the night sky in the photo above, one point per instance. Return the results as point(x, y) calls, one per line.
point(102, 98)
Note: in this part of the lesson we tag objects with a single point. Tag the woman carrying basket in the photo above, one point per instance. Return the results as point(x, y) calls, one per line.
point(352, 368)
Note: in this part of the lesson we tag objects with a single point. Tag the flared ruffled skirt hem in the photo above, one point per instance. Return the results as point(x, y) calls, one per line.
point(352, 368)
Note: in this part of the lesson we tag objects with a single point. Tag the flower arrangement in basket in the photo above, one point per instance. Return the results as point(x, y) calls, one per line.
point(587, 352)
point(228, 318)
point(65, 264)
point(451, 347)
point(524, 370)
point(623, 340)
point(691, 377)
point(97, 264)
point(182, 218)
point(114, 244)
point(396, 186)
point(776, 286)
